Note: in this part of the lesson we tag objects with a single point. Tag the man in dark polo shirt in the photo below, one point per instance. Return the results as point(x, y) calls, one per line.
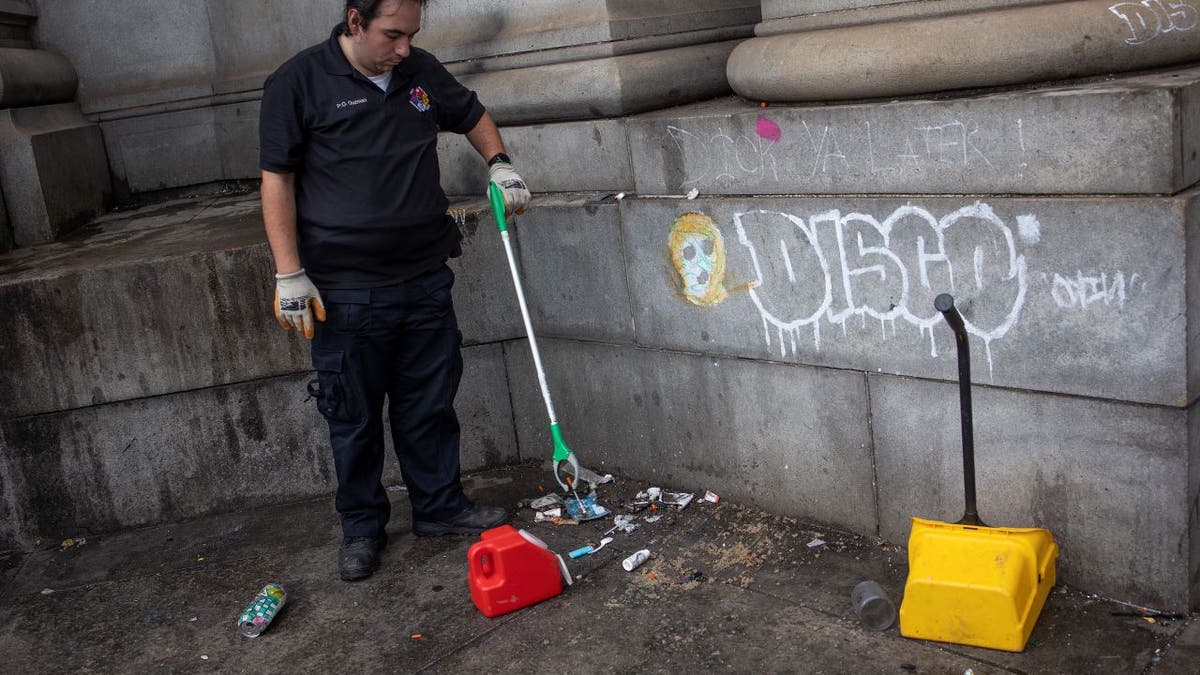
point(356, 220)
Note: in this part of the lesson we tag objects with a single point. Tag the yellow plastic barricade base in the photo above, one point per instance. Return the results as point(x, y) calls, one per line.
point(981, 586)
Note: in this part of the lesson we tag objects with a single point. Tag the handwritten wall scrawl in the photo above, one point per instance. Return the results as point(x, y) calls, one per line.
point(1149, 19)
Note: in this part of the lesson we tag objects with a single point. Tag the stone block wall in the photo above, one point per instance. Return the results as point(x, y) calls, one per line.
point(754, 314)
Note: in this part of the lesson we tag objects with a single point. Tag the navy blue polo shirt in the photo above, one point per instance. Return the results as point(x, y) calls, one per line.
point(369, 201)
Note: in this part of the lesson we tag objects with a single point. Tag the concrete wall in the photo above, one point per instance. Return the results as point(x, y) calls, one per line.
point(1084, 421)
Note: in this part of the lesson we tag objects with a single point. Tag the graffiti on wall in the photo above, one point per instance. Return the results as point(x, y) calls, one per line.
point(1150, 19)
point(698, 254)
point(1081, 291)
point(772, 153)
point(808, 274)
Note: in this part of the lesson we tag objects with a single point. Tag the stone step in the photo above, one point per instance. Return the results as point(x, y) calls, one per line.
point(1128, 135)
point(865, 452)
point(163, 458)
point(176, 297)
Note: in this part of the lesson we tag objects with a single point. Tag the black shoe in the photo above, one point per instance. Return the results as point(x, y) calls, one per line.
point(359, 556)
point(471, 520)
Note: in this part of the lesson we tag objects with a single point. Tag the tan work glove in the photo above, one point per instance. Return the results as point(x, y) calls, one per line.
point(296, 301)
point(516, 195)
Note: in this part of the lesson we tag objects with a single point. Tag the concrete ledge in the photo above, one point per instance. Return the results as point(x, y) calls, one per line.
point(53, 170)
point(1131, 135)
point(983, 49)
point(30, 77)
point(599, 50)
point(795, 16)
point(1128, 135)
point(220, 143)
point(559, 157)
point(604, 87)
point(1076, 296)
point(177, 297)
point(1108, 480)
point(789, 439)
point(544, 28)
point(166, 458)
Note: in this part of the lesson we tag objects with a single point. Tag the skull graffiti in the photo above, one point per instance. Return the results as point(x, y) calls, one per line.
point(698, 254)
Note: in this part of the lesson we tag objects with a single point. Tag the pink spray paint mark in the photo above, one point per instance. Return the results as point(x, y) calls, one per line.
point(768, 129)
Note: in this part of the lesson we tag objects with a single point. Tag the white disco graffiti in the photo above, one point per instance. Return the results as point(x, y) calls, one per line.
point(832, 267)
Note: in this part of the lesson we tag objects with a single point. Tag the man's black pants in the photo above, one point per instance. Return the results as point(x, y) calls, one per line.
point(400, 343)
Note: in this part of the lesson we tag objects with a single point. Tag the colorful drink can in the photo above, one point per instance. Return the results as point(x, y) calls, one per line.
point(262, 610)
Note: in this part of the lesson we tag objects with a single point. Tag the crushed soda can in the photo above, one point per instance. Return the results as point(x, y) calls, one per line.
point(262, 610)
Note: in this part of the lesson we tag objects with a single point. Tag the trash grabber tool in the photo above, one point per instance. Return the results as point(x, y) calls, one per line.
point(564, 458)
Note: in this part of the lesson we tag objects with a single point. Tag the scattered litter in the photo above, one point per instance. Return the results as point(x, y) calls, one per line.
point(654, 519)
point(710, 496)
point(816, 542)
point(623, 523)
point(547, 516)
point(655, 495)
point(1145, 613)
point(636, 506)
point(634, 561)
point(199, 558)
point(566, 521)
point(588, 476)
point(204, 657)
point(262, 610)
point(397, 488)
point(589, 549)
point(548, 502)
point(680, 499)
point(47, 591)
point(192, 619)
point(620, 196)
point(693, 193)
point(68, 543)
point(585, 508)
point(417, 636)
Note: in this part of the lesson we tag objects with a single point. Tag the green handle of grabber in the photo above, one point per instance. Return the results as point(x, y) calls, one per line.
point(498, 206)
point(561, 451)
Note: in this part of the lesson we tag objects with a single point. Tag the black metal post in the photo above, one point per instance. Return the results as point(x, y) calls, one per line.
point(945, 304)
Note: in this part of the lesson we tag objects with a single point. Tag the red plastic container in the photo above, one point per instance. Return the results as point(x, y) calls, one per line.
point(508, 569)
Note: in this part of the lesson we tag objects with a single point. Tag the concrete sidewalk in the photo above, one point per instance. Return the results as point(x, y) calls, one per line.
point(733, 589)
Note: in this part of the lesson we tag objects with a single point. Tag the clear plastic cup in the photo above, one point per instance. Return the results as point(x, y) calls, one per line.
point(872, 606)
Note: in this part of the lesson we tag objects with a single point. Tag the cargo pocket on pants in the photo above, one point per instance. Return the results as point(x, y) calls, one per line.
point(334, 398)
